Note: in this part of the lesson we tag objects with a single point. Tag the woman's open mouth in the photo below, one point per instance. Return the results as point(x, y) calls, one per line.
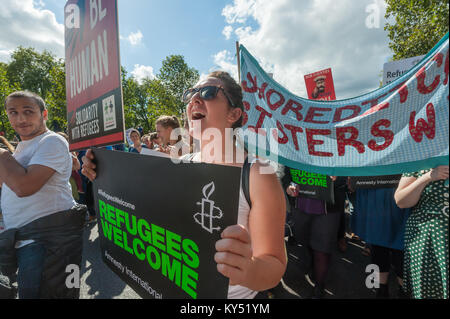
point(197, 116)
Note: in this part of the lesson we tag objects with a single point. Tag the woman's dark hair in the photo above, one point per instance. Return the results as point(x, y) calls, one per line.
point(233, 89)
point(27, 94)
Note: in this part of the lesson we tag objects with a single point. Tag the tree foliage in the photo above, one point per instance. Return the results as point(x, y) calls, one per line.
point(177, 76)
point(5, 89)
point(417, 27)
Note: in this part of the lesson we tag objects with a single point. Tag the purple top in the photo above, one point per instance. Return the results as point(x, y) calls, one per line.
point(311, 206)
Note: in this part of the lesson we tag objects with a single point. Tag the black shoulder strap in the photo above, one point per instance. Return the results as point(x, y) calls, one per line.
point(246, 181)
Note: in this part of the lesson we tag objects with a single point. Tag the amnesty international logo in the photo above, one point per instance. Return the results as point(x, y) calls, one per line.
point(209, 212)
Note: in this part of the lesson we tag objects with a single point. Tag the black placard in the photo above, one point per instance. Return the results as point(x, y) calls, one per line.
point(155, 226)
point(386, 181)
point(311, 185)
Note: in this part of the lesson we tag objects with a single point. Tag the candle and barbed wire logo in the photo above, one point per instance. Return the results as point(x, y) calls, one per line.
point(208, 212)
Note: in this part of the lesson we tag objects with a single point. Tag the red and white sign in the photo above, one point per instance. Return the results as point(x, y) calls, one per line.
point(320, 85)
point(93, 80)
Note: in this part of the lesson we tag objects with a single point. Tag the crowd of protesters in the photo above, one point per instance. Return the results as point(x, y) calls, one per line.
point(406, 227)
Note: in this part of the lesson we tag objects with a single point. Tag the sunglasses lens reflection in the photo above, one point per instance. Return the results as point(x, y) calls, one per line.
point(209, 92)
point(206, 93)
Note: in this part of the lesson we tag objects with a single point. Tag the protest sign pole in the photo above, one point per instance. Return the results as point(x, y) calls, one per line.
point(238, 61)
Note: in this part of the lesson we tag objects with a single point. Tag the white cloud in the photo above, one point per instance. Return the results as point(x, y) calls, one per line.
point(224, 60)
point(292, 38)
point(26, 23)
point(134, 38)
point(239, 11)
point(140, 72)
point(227, 31)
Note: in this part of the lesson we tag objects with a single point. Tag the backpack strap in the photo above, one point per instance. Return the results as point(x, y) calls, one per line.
point(245, 181)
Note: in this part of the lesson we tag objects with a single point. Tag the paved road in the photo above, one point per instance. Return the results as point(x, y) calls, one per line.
point(346, 278)
point(97, 280)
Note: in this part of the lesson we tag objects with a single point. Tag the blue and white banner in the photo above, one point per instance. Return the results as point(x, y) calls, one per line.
point(401, 127)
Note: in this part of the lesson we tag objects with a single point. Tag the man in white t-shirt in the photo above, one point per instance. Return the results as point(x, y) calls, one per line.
point(34, 181)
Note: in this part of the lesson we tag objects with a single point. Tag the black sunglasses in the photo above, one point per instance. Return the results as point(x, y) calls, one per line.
point(207, 93)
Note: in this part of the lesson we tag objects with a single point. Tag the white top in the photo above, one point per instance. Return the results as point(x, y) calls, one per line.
point(241, 292)
point(51, 150)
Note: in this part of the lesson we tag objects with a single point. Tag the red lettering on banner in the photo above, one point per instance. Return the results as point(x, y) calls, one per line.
point(402, 91)
point(282, 140)
point(374, 102)
point(314, 112)
point(290, 107)
point(294, 130)
point(244, 118)
point(422, 126)
point(342, 141)
point(446, 68)
point(338, 114)
point(377, 108)
point(254, 83)
point(313, 142)
point(260, 122)
point(261, 91)
point(421, 75)
point(244, 114)
point(274, 106)
point(388, 135)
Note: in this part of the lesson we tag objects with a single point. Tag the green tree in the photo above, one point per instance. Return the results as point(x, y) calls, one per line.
point(417, 27)
point(55, 98)
point(6, 88)
point(160, 101)
point(31, 70)
point(177, 76)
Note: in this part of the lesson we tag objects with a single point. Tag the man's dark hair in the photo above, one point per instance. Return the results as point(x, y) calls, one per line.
point(153, 136)
point(27, 94)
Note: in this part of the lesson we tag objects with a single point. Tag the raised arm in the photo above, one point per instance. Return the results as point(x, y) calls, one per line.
point(23, 182)
point(410, 189)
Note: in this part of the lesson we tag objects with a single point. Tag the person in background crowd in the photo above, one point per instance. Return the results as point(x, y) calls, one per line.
point(146, 141)
point(120, 147)
point(135, 137)
point(251, 254)
point(378, 221)
point(154, 140)
point(426, 235)
point(43, 225)
point(316, 224)
point(164, 127)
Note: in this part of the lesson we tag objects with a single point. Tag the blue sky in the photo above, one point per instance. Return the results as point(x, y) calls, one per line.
point(290, 38)
point(190, 28)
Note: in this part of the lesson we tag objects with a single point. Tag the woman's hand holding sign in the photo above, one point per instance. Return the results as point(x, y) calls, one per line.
point(89, 166)
point(234, 254)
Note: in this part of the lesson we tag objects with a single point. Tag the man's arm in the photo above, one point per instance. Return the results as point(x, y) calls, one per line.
point(23, 182)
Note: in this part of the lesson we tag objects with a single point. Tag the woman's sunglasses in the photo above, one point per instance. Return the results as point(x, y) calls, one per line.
point(207, 93)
